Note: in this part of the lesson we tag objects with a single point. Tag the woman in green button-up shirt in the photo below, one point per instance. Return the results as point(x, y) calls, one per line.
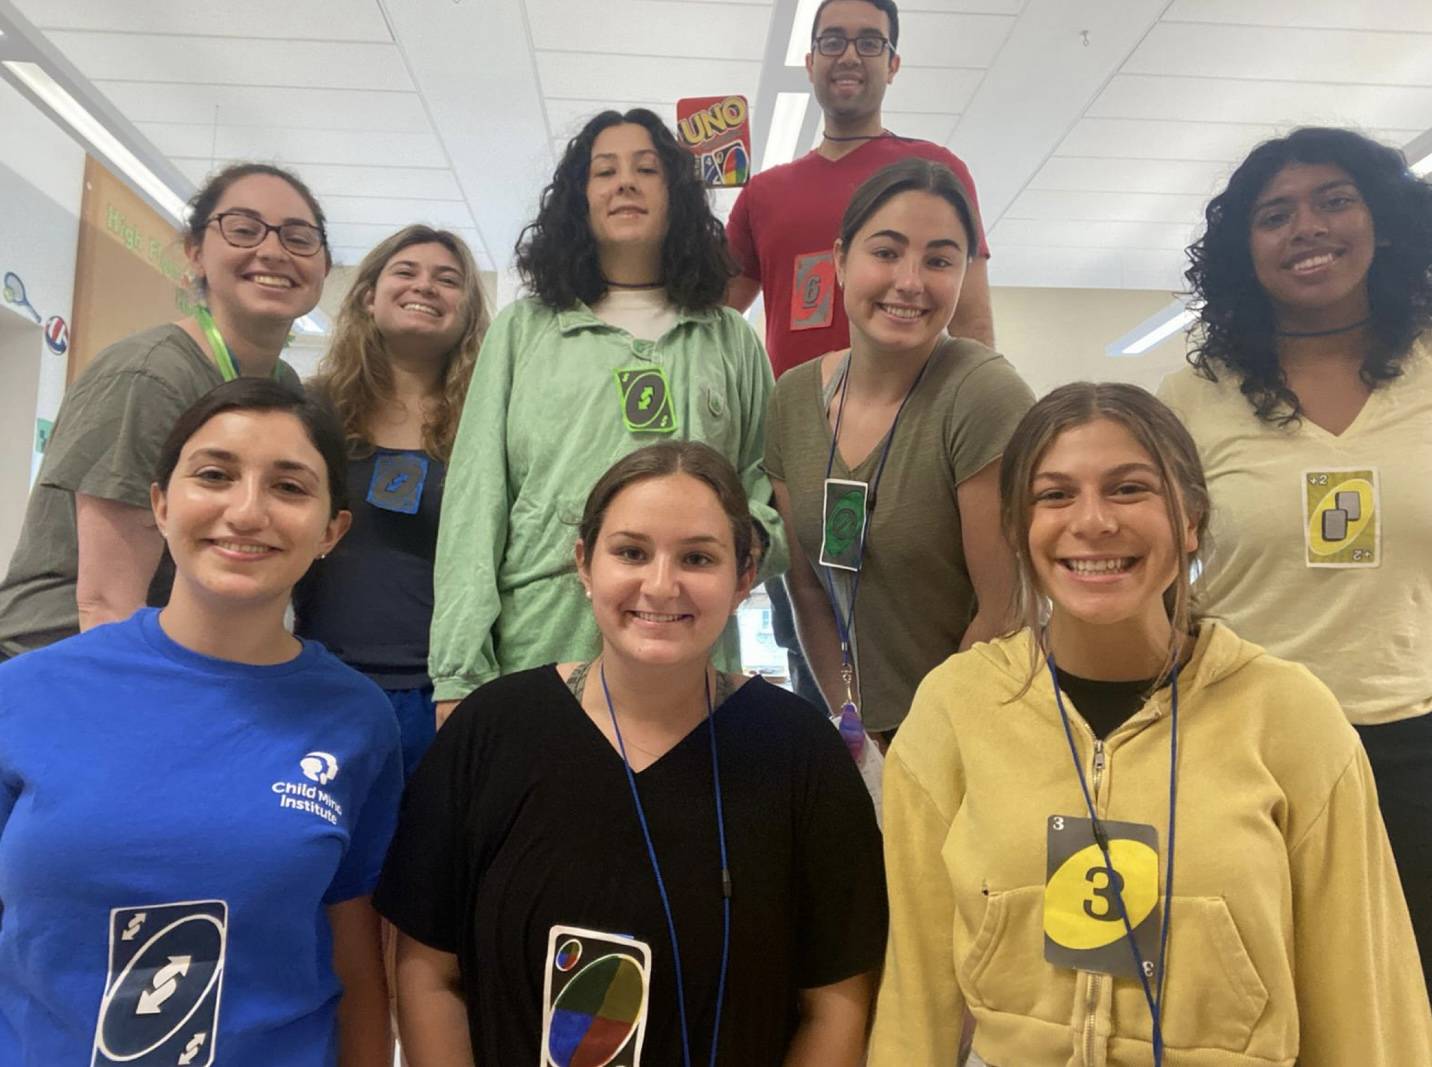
point(625, 342)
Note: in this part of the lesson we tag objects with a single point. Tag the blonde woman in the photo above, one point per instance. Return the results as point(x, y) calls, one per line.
point(398, 373)
point(1124, 835)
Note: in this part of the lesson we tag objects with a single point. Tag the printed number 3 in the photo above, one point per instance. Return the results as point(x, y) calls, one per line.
point(1113, 883)
point(1059, 822)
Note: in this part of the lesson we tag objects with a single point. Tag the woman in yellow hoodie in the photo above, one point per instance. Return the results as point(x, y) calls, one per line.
point(1035, 833)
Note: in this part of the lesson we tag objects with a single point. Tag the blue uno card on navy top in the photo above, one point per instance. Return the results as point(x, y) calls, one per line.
point(398, 480)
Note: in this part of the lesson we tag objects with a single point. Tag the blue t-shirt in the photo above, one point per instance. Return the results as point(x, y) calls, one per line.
point(172, 827)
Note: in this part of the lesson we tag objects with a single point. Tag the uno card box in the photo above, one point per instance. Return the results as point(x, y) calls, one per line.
point(717, 131)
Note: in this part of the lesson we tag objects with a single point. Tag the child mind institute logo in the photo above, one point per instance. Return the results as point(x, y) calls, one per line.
point(320, 768)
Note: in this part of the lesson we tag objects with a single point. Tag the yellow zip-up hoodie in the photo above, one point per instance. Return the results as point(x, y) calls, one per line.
point(1289, 938)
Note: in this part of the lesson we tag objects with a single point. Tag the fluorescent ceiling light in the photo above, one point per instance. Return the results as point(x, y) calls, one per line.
point(1422, 167)
point(787, 118)
point(800, 33)
point(1151, 331)
point(90, 129)
point(315, 324)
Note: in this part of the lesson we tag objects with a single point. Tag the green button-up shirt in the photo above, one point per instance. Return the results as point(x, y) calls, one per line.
point(543, 421)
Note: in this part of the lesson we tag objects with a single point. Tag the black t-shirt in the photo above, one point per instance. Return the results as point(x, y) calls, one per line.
point(371, 601)
point(520, 820)
point(1105, 706)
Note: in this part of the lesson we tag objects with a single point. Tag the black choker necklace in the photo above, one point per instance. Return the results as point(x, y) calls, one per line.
point(1323, 333)
point(633, 285)
point(862, 136)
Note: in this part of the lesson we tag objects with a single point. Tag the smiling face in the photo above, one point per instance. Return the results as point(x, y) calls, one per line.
point(247, 509)
point(1311, 240)
point(626, 189)
point(1100, 539)
point(903, 271)
point(662, 574)
point(849, 87)
point(420, 295)
point(266, 282)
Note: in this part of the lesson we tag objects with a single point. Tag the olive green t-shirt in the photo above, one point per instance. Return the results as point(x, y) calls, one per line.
point(915, 598)
point(112, 422)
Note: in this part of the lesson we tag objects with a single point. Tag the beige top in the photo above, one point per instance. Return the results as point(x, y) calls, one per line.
point(915, 593)
point(1322, 543)
point(646, 314)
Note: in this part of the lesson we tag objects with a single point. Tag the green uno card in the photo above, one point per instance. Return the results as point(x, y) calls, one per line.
point(843, 532)
point(646, 400)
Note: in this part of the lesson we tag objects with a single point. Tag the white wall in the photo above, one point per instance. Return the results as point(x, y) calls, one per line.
point(41, 183)
point(1053, 336)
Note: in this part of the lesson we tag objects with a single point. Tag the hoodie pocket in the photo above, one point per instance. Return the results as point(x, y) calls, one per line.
point(1213, 997)
point(1005, 970)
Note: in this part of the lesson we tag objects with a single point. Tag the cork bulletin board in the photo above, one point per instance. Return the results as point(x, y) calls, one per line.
point(129, 267)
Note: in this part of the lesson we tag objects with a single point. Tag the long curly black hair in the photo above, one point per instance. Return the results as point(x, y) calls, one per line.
point(557, 254)
point(1236, 330)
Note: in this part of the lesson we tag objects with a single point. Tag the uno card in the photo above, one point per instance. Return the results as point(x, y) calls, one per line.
point(1341, 518)
point(397, 482)
point(646, 400)
point(843, 531)
point(813, 290)
point(1083, 924)
point(161, 995)
point(717, 132)
point(596, 997)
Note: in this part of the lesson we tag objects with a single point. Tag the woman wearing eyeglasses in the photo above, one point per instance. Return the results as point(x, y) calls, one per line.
point(89, 550)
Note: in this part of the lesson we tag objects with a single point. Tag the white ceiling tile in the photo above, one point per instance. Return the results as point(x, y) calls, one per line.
point(1094, 268)
point(1058, 205)
point(652, 28)
point(1197, 178)
point(333, 20)
point(927, 127)
point(572, 75)
point(1138, 96)
point(1206, 141)
point(397, 211)
point(234, 60)
point(958, 7)
point(928, 39)
point(1348, 56)
point(295, 146)
point(360, 235)
point(567, 117)
point(932, 89)
point(1070, 233)
point(1406, 16)
point(315, 109)
point(418, 183)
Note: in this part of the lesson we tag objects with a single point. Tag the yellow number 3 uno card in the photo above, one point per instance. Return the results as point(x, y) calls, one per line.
point(1083, 927)
point(1341, 524)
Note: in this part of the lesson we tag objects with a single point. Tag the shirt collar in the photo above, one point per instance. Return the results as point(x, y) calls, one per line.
point(579, 317)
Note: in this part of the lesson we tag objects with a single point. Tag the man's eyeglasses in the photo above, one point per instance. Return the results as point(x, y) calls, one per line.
point(868, 45)
point(242, 230)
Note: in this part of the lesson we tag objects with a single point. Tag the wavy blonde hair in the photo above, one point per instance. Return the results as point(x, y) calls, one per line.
point(354, 374)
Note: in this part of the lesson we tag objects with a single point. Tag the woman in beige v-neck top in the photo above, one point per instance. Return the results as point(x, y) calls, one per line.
point(1310, 397)
point(935, 574)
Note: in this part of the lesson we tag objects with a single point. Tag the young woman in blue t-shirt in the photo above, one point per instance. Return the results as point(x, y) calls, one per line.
point(194, 804)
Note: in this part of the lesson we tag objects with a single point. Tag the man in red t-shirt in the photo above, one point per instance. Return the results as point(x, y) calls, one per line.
point(786, 220)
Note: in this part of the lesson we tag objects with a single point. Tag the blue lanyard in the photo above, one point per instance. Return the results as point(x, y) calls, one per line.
point(1153, 995)
point(844, 620)
point(661, 882)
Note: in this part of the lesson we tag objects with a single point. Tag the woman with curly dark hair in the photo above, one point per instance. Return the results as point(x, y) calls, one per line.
point(625, 341)
point(1310, 397)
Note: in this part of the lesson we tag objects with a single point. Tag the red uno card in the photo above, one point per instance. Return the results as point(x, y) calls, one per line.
point(717, 132)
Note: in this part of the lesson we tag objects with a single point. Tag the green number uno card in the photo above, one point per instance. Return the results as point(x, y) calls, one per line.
point(645, 400)
point(843, 532)
point(1341, 522)
point(1083, 925)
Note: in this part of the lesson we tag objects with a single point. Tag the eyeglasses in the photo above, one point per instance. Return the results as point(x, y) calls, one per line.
point(242, 230)
point(868, 45)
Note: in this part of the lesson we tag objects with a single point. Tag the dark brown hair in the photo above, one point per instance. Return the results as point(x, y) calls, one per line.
point(700, 461)
point(202, 203)
point(1160, 434)
point(910, 175)
point(263, 394)
point(888, 6)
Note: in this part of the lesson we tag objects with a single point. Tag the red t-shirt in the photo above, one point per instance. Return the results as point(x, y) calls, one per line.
point(782, 231)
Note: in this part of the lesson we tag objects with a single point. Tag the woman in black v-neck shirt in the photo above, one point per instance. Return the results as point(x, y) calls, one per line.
point(522, 880)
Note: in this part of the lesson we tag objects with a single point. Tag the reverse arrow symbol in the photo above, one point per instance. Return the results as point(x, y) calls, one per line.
point(135, 922)
point(166, 981)
point(192, 1048)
